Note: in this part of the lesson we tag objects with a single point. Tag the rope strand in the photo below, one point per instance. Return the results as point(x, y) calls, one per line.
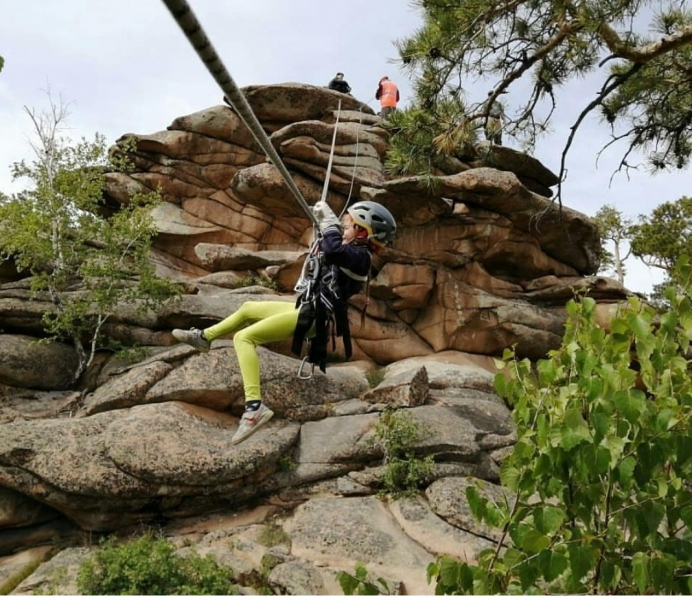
point(355, 161)
point(186, 19)
point(323, 198)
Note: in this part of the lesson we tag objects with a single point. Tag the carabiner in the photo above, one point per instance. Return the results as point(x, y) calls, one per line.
point(301, 375)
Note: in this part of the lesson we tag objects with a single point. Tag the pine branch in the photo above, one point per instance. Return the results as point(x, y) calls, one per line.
point(643, 54)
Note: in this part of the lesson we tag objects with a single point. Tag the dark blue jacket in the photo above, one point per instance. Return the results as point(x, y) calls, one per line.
point(353, 257)
point(329, 303)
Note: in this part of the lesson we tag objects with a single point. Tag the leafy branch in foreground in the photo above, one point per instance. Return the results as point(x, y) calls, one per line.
point(361, 584)
point(85, 266)
point(600, 473)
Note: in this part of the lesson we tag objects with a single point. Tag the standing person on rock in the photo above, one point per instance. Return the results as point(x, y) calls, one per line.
point(388, 95)
point(344, 252)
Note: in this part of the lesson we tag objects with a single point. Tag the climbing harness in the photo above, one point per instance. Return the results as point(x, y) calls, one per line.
point(323, 314)
point(307, 288)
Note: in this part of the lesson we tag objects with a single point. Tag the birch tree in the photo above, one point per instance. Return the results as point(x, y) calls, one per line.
point(615, 228)
point(89, 266)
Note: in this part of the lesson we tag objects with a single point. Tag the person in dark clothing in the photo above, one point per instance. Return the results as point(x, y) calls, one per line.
point(344, 250)
point(339, 84)
point(494, 122)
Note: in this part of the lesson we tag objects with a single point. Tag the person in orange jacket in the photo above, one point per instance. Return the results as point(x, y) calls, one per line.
point(388, 95)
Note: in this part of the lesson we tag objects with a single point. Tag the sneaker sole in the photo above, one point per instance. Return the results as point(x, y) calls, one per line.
point(196, 346)
point(263, 419)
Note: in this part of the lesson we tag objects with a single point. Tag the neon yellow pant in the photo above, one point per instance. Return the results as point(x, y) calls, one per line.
point(255, 324)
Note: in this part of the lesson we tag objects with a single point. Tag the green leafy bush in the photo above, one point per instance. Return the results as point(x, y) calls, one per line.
point(397, 434)
point(253, 279)
point(149, 565)
point(599, 478)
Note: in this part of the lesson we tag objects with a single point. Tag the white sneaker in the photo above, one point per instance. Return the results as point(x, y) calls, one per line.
point(250, 422)
point(192, 337)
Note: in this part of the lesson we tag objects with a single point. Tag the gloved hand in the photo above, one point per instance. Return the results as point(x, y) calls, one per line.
point(325, 216)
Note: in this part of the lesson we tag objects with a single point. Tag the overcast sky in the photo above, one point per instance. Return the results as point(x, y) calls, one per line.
point(125, 66)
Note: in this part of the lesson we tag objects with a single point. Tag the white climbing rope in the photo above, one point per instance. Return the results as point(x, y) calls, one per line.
point(355, 161)
point(323, 198)
point(186, 19)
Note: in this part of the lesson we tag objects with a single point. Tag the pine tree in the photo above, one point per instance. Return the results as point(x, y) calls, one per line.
point(531, 48)
point(660, 239)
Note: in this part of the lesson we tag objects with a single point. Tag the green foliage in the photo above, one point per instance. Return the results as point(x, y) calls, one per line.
point(150, 566)
point(59, 580)
point(252, 279)
point(130, 353)
point(397, 434)
point(441, 128)
point(11, 582)
point(654, 96)
point(86, 265)
point(360, 584)
point(286, 463)
point(602, 464)
point(532, 49)
point(2, 63)
point(661, 238)
point(272, 534)
point(375, 377)
point(259, 580)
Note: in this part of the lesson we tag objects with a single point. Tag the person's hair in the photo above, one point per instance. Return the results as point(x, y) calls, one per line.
point(339, 74)
point(361, 232)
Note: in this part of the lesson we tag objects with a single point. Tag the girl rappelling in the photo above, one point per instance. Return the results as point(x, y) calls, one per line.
point(336, 268)
point(344, 264)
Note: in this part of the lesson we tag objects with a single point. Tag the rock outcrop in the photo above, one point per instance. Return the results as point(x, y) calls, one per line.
point(483, 261)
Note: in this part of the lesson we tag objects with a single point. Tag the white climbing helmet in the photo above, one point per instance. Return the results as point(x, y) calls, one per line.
point(375, 219)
